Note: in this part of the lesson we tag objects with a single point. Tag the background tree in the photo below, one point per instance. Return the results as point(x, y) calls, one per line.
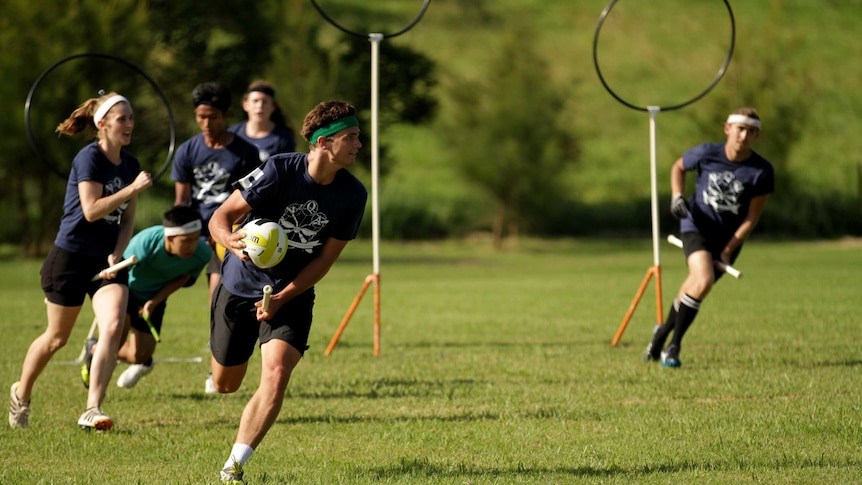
point(510, 137)
point(318, 61)
point(32, 195)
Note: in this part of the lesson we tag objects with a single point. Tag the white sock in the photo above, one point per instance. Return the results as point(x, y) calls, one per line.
point(239, 453)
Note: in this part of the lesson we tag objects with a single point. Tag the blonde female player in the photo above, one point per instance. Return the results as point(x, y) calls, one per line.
point(97, 223)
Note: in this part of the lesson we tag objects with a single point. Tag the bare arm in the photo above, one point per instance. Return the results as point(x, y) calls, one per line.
point(744, 230)
point(222, 220)
point(233, 209)
point(307, 277)
point(182, 193)
point(127, 227)
point(165, 292)
point(677, 177)
point(96, 207)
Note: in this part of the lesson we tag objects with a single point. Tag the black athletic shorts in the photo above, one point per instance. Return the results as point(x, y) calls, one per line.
point(695, 241)
point(234, 328)
point(138, 323)
point(66, 277)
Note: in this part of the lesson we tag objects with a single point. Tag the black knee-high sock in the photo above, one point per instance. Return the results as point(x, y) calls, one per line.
point(688, 308)
point(661, 333)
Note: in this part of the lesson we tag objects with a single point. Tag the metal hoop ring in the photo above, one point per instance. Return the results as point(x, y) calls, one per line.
point(718, 76)
point(365, 35)
point(156, 87)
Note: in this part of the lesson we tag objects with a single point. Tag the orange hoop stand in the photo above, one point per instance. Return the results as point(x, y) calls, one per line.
point(372, 278)
point(652, 271)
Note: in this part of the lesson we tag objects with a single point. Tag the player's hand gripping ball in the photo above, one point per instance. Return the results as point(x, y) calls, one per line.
point(265, 242)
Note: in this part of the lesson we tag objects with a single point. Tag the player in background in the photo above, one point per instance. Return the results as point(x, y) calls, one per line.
point(170, 256)
point(97, 223)
point(207, 164)
point(266, 126)
point(732, 186)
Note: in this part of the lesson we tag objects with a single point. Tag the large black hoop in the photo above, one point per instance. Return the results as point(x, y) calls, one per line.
point(27, 104)
point(718, 76)
point(365, 34)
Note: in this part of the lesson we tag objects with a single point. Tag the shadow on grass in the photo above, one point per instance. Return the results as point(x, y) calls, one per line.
point(354, 419)
point(388, 388)
point(442, 345)
point(541, 413)
point(836, 363)
point(419, 468)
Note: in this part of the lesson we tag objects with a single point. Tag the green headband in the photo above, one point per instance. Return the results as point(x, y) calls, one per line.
point(333, 128)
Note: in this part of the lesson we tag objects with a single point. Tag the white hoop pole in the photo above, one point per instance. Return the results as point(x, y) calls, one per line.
point(653, 112)
point(375, 209)
point(375, 39)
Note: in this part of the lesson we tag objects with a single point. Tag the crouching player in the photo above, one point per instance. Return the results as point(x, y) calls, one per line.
point(170, 256)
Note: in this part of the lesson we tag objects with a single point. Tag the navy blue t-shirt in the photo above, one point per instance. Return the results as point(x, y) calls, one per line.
point(212, 171)
point(310, 213)
point(723, 189)
point(98, 238)
point(279, 140)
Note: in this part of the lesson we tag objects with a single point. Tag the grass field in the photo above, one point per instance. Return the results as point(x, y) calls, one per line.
point(496, 368)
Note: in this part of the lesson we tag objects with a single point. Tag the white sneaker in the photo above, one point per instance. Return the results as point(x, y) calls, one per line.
point(209, 385)
point(19, 411)
point(232, 475)
point(133, 374)
point(94, 418)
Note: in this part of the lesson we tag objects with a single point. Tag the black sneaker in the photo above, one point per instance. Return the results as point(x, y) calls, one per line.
point(652, 353)
point(670, 356)
point(88, 360)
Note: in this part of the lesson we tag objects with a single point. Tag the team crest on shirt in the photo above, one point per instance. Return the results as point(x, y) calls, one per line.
point(301, 223)
point(211, 181)
point(722, 192)
point(112, 187)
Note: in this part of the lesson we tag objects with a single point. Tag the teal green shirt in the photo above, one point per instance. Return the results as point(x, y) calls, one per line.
point(156, 267)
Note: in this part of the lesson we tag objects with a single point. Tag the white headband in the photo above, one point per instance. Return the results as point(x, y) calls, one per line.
point(187, 228)
point(743, 120)
point(106, 106)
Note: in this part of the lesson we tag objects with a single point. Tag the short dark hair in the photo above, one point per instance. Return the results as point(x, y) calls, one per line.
point(213, 94)
point(180, 215)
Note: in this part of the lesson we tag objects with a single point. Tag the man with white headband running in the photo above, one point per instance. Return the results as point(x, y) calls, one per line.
point(732, 186)
point(170, 256)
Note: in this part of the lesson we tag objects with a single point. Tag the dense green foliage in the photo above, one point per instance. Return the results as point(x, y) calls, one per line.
point(495, 368)
point(593, 165)
point(800, 75)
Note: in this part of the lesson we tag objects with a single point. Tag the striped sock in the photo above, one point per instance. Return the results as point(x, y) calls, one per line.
point(661, 333)
point(688, 308)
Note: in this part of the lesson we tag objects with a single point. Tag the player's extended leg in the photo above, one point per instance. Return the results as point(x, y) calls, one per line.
point(61, 320)
point(278, 361)
point(137, 349)
point(109, 305)
point(227, 379)
point(660, 334)
point(701, 278)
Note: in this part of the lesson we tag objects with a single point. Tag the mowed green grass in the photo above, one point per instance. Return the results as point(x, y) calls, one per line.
point(495, 368)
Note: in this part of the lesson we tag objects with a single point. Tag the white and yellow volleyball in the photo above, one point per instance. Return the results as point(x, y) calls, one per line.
point(265, 242)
